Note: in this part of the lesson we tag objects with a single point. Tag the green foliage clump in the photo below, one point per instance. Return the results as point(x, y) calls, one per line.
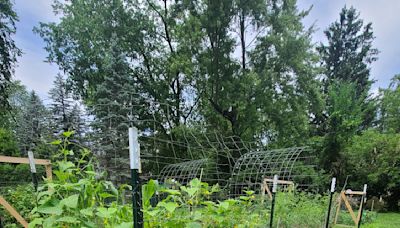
point(373, 158)
point(389, 106)
point(8, 50)
point(8, 145)
point(79, 197)
point(22, 198)
point(300, 209)
point(192, 206)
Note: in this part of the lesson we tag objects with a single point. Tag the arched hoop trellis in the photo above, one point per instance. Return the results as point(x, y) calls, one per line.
point(183, 172)
point(193, 149)
point(251, 168)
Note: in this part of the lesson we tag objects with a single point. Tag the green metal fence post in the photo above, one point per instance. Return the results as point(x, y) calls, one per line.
point(274, 188)
point(333, 183)
point(134, 155)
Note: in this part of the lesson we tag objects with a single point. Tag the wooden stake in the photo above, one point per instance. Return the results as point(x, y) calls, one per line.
point(13, 212)
point(338, 208)
point(49, 172)
point(348, 206)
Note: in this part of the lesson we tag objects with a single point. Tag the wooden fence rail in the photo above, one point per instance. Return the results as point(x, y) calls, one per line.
point(19, 160)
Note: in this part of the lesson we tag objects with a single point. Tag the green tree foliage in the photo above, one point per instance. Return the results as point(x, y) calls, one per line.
point(8, 50)
point(78, 119)
point(61, 104)
point(284, 62)
point(373, 158)
point(349, 51)
point(181, 55)
point(17, 99)
point(390, 106)
point(347, 57)
point(33, 128)
point(66, 113)
point(8, 145)
point(346, 60)
point(113, 112)
point(345, 117)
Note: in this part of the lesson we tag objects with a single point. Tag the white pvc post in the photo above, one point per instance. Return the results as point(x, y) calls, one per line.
point(33, 169)
point(134, 151)
point(333, 184)
point(275, 184)
point(31, 162)
point(140, 163)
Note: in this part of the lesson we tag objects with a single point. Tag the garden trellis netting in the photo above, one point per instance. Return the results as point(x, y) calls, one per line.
point(190, 150)
point(187, 150)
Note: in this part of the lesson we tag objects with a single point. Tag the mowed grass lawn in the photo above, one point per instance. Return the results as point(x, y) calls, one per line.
point(385, 220)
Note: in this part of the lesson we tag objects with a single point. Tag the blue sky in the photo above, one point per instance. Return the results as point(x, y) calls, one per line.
point(38, 75)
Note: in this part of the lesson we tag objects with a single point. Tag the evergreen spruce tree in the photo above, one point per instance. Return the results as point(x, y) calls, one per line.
point(61, 105)
point(78, 122)
point(8, 51)
point(346, 60)
point(112, 110)
point(349, 52)
point(33, 129)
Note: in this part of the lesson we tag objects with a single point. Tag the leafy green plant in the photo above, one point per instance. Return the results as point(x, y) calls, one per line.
point(79, 197)
point(22, 198)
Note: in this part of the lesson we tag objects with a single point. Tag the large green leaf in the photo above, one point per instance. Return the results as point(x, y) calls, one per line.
point(68, 219)
point(105, 212)
point(124, 225)
point(48, 209)
point(148, 191)
point(190, 191)
point(169, 206)
point(71, 201)
point(64, 165)
point(87, 212)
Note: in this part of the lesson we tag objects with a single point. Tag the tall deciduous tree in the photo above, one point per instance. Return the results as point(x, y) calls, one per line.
point(287, 90)
point(180, 65)
point(8, 50)
point(344, 120)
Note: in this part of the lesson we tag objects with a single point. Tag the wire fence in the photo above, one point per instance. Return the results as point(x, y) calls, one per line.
point(190, 150)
